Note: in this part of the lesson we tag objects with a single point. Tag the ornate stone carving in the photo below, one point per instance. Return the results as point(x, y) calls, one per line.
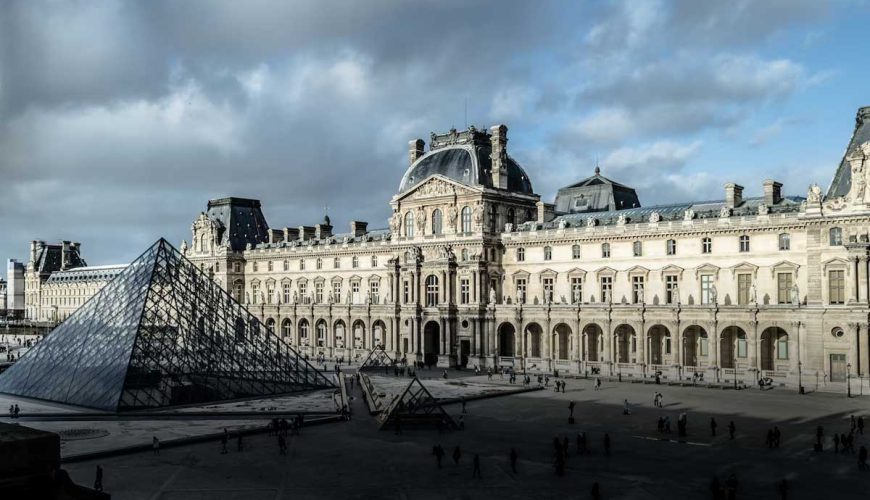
point(795, 295)
point(753, 294)
point(837, 204)
point(814, 194)
point(621, 220)
point(689, 214)
point(452, 216)
point(591, 222)
point(396, 222)
point(724, 212)
point(434, 187)
point(563, 223)
point(477, 216)
point(654, 217)
point(763, 209)
point(508, 228)
point(184, 247)
point(421, 220)
point(858, 194)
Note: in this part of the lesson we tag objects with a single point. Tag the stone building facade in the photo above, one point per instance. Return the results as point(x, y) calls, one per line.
point(474, 269)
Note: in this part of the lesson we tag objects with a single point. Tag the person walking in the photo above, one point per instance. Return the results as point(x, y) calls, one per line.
point(862, 458)
point(860, 425)
point(438, 451)
point(464, 410)
point(224, 440)
point(457, 454)
point(731, 429)
point(514, 456)
point(597, 383)
point(626, 410)
point(98, 482)
point(282, 445)
point(155, 445)
point(595, 492)
point(17, 411)
point(239, 445)
point(606, 444)
point(571, 409)
point(782, 487)
point(476, 472)
point(713, 426)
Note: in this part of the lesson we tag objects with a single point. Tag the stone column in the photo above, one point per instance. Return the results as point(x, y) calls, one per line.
point(863, 358)
point(608, 342)
point(862, 279)
point(854, 335)
point(853, 280)
point(752, 340)
point(714, 336)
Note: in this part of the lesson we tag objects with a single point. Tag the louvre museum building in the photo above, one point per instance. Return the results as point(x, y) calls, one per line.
point(475, 268)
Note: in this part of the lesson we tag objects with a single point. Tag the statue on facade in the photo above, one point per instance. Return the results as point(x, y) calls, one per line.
point(590, 222)
point(640, 295)
point(247, 297)
point(763, 209)
point(295, 297)
point(262, 298)
point(689, 214)
point(477, 215)
point(509, 227)
point(675, 294)
point(184, 247)
point(330, 298)
point(621, 220)
point(421, 220)
point(724, 212)
point(349, 297)
point(654, 217)
point(857, 160)
point(713, 294)
point(452, 215)
point(795, 295)
point(753, 294)
point(814, 194)
point(396, 222)
point(563, 223)
point(492, 295)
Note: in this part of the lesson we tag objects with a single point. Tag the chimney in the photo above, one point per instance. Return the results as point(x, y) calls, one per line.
point(306, 233)
point(498, 138)
point(415, 150)
point(772, 192)
point(64, 255)
point(733, 195)
point(358, 228)
point(291, 234)
point(33, 248)
point(276, 236)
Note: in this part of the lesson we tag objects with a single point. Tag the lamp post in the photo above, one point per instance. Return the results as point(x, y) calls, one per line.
point(800, 384)
point(848, 380)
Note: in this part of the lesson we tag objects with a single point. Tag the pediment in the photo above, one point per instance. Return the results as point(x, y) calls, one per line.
point(548, 272)
point(837, 262)
point(706, 269)
point(744, 267)
point(784, 266)
point(672, 269)
point(637, 270)
point(436, 186)
point(605, 271)
point(520, 274)
point(577, 272)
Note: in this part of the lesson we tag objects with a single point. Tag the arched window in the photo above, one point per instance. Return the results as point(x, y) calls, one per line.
point(466, 219)
point(431, 290)
point(521, 254)
point(548, 253)
point(374, 261)
point(784, 241)
point(637, 248)
point(512, 219)
point(321, 333)
point(354, 262)
point(493, 218)
point(409, 224)
point(706, 245)
point(436, 222)
point(303, 331)
point(286, 328)
point(744, 243)
point(605, 250)
point(671, 247)
point(835, 236)
point(575, 251)
point(286, 265)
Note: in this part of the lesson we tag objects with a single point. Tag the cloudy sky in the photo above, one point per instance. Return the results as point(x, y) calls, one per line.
point(119, 120)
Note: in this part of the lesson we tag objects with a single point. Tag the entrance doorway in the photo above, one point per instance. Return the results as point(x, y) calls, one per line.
point(431, 343)
point(465, 349)
point(838, 368)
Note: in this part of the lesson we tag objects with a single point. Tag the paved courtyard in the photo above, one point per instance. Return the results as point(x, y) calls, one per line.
point(354, 460)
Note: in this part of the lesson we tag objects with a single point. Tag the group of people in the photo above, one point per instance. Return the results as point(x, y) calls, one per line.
point(438, 452)
point(773, 438)
point(14, 411)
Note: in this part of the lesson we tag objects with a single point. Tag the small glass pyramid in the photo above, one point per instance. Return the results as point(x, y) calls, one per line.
point(160, 334)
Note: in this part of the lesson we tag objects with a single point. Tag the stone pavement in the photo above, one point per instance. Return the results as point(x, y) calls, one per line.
point(354, 460)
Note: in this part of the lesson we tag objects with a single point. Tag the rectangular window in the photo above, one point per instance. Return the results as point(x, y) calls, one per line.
point(254, 266)
point(548, 289)
point(705, 347)
point(521, 290)
point(668, 344)
point(783, 288)
point(464, 291)
point(576, 290)
point(784, 241)
point(782, 348)
point(374, 289)
point(637, 289)
point(237, 267)
point(706, 288)
point(318, 292)
point(836, 287)
point(303, 292)
point(406, 292)
point(269, 265)
point(270, 293)
point(336, 292)
point(741, 347)
point(670, 288)
point(255, 292)
point(301, 264)
point(354, 292)
point(744, 283)
point(606, 288)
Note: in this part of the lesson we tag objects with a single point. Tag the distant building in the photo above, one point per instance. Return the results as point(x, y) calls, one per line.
point(2, 298)
point(46, 259)
point(14, 289)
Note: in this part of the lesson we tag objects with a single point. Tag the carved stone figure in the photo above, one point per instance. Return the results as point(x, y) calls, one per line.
point(753, 294)
point(795, 295)
point(675, 293)
point(492, 296)
point(563, 223)
point(247, 297)
point(640, 295)
point(724, 212)
point(590, 222)
point(621, 220)
point(857, 160)
point(814, 194)
point(763, 209)
point(713, 294)
point(396, 222)
point(330, 298)
point(295, 297)
point(478, 215)
point(452, 215)
point(262, 298)
point(508, 228)
point(689, 214)
point(654, 217)
point(184, 247)
point(421, 220)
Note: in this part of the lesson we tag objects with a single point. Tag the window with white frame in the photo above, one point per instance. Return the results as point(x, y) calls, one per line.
point(637, 289)
point(784, 241)
point(744, 243)
point(374, 291)
point(464, 291)
point(706, 288)
point(336, 262)
point(301, 264)
point(783, 287)
point(318, 292)
point(521, 290)
point(836, 286)
point(576, 290)
point(548, 289)
point(436, 222)
point(374, 261)
point(354, 262)
point(671, 289)
point(706, 245)
point(637, 248)
point(605, 250)
point(303, 291)
point(744, 285)
point(835, 236)
point(319, 263)
point(409, 224)
point(521, 254)
point(548, 253)
point(606, 284)
point(255, 292)
point(336, 292)
point(671, 247)
point(466, 219)
point(431, 290)
point(354, 292)
point(575, 251)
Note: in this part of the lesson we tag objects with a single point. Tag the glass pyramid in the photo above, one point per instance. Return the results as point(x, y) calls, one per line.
point(160, 334)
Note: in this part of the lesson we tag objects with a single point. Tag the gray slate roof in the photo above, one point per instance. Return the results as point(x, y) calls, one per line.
point(842, 181)
point(242, 219)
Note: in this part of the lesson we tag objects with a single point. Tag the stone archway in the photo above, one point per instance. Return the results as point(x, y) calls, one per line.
point(379, 334)
point(431, 342)
point(506, 340)
point(270, 325)
point(562, 341)
point(594, 341)
point(774, 347)
point(695, 345)
point(287, 330)
point(626, 343)
point(304, 333)
point(659, 339)
point(534, 336)
point(359, 334)
point(320, 333)
point(339, 332)
point(732, 346)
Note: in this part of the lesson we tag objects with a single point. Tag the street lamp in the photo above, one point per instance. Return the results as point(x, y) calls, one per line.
point(848, 380)
point(800, 384)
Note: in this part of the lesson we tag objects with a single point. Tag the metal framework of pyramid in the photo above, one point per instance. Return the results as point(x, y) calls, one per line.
point(415, 406)
point(160, 334)
point(377, 359)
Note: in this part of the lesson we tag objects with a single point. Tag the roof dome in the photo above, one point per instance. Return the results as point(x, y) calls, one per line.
point(469, 164)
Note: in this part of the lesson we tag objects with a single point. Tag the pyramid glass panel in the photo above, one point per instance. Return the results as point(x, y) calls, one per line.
point(160, 334)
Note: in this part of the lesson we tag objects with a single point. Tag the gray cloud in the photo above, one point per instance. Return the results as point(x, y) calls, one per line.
point(119, 120)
